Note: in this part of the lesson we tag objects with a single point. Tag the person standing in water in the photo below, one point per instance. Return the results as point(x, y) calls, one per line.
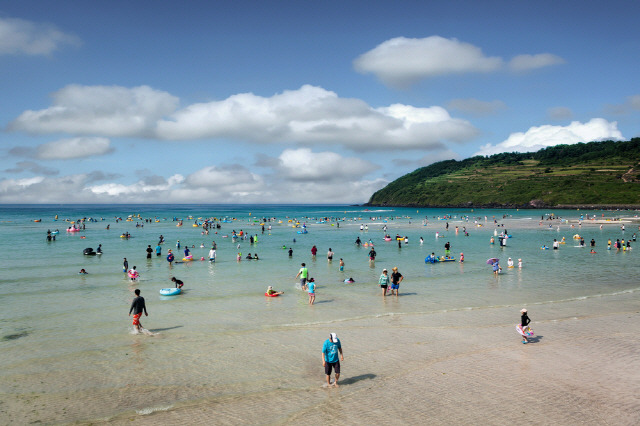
point(330, 360)
point(149, 251)
point(383, 281)
point(125, 266)
point(303, 273)
point(137, 308)
point(312, 290)
point(329, 255)
point(341, 265)
point(396, 279)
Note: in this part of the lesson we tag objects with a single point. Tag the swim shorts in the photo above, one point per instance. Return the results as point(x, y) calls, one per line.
point(136, 319)
point(383, 286)
point(395, 286)
point(329, 365)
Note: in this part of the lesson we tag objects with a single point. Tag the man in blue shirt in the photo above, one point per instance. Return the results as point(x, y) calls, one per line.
point(330, 360)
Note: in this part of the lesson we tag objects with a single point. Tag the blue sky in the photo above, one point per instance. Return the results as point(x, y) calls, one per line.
point(296, 101)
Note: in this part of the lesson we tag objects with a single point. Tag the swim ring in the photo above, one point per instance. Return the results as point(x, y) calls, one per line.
point(272, 295)
point(170, 291)
point(526, 331)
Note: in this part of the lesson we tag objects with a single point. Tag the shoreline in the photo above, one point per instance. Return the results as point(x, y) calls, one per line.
point(458, 367)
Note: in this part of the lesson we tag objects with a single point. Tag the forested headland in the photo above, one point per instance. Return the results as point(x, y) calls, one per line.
point(595, 174)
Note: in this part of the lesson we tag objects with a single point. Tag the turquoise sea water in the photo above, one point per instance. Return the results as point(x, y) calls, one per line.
point(63, 334)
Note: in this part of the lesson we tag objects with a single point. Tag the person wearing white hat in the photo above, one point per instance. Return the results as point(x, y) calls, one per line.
point(524, 324)
point(330, 360)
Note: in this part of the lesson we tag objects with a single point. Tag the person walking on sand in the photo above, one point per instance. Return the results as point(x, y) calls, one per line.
point(303, 273)
point(137, 308)
point(330, 360)
point(396, 279)
point(524, 325)
point(384, 282)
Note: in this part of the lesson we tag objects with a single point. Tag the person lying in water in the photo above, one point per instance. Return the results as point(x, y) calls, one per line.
point(271, 291)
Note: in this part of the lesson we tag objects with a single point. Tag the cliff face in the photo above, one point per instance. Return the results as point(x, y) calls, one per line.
point(587, 175)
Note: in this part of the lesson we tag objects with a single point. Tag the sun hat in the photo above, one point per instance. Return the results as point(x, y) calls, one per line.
point(334, 337)
point(523, 311)
point(384, 270)
point(519, 260)
point(395, 268)
point(270, 288)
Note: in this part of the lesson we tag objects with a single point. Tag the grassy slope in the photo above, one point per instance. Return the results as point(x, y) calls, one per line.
point(605, 173)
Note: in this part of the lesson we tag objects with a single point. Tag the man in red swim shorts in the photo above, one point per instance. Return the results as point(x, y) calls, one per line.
point(138, 307)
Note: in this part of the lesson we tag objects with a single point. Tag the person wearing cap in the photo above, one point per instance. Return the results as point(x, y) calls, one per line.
point(396, 279)
point(461, 257)
point(510, 263)
point(311, 289)
point(384, 282)
point(524, 323)
point(520, 263)
point(330, 360)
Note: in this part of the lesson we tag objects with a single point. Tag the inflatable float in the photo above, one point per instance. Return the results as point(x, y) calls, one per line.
point(272, 295)
point(526, 331)
point(188, 258)
point(133, 275)
point(170, 291)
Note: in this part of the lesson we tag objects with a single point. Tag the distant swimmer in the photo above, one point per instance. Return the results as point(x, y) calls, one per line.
point(341, 265)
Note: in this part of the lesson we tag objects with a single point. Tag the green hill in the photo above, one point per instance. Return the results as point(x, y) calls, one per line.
point(595, 174)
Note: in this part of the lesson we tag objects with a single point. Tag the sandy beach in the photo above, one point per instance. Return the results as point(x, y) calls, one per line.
point(462, 367)
point(445, 352)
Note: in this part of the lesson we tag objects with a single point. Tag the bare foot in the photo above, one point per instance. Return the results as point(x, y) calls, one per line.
point(335, 384)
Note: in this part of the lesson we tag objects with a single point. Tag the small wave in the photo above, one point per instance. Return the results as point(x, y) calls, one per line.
point(150, 410)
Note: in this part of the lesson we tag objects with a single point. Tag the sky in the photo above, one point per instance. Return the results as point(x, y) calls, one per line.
point(296, 101)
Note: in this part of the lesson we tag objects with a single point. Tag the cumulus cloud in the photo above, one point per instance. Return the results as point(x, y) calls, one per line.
point(403, 61)
point(597, 129)
point(477, 107)
point(99, 110)
point(303, 165)
point(312, 115)
point(522, 63)
point(18, 36)
point(559, 113)
point(307, 116)
point(337, 180)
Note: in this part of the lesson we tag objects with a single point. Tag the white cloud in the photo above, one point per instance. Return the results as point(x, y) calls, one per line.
point(597, 129)
point(559, 113)
point(99, 110)
point(81, 147)
point(529, 62)
point(302, 165)
point(477, 107)
point(402, 61)
point(312, 115)
point(308, 116)
point(18, 36)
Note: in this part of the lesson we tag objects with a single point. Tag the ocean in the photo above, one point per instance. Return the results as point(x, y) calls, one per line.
point(67, 348)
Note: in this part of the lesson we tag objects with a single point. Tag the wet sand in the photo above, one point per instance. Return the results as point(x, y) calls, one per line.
point(460, 367)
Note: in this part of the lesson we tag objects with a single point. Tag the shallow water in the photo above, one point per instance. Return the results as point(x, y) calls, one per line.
point(66, 338)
